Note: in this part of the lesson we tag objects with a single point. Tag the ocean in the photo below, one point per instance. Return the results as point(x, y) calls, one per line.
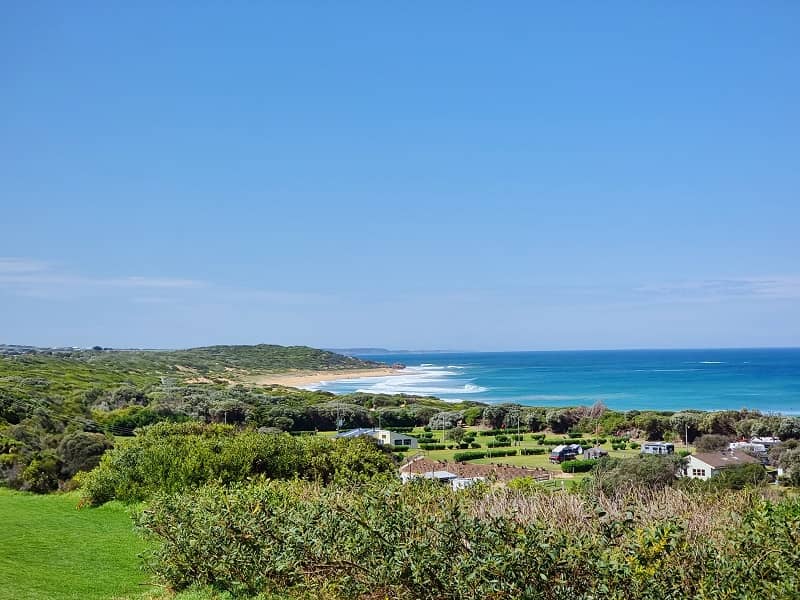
point(761, 379)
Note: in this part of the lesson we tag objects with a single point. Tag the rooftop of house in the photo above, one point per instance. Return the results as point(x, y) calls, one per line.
point(421, 465)
point(722, 460)
point(356, 432)
point(366, 431)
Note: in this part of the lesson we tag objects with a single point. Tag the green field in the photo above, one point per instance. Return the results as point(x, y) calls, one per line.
point(532, 461)
point(51, 550)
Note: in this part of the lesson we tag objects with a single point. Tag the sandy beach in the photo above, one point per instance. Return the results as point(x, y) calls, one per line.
point(302, 378)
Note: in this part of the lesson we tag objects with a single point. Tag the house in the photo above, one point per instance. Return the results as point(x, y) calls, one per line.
point(594, 453)
point(565, 452)
point(704, 465)
point(766, 441)
point(660, 448)
point(384, 437)
point(748, 447)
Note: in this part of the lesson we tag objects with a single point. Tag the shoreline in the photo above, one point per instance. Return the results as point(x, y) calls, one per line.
point(301, 378)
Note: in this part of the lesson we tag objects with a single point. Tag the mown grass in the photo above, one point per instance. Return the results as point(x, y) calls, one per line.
point(51, 550)
point(540, 461)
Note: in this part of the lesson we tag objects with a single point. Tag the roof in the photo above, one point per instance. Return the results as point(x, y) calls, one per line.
point(659, 444)
point(723, 460)
point(356, 432)
point(439, 475)
point(368, 431)
point(421, 465)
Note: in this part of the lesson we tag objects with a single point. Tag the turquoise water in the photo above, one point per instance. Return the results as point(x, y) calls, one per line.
point(762, 379)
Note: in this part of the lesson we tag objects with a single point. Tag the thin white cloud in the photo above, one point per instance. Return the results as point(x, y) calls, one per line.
point(31, 275)
point(21, 265)
point(151, 282)
point(783, 287)
point(36, 279)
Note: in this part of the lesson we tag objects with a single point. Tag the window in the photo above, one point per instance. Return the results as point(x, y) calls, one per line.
point(698, 472)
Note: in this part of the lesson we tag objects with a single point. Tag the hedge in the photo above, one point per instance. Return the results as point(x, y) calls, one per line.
point(432, 446)
point(578, 466)
point(494, 453)
point(498, 444)
point(462, 456)
point(530, 451)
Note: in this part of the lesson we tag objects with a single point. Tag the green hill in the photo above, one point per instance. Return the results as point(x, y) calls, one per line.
point(262, 358)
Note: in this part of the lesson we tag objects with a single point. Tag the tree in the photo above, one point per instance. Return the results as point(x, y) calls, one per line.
point(711, 442)
point(721, 422)
point(685, 424)
point(789, 428)
point(81, 451)
point(740, 477)
point(445, 420)
point(560, 420)
point(616, 475)
point(652, 425)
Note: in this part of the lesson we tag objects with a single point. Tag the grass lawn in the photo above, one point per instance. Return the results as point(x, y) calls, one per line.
point(533, 461)
point(51, 550)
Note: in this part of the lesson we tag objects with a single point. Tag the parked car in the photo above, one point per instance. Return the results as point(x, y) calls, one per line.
point(565, 452)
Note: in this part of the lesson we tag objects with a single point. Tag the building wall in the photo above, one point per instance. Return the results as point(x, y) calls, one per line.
point(386, 437)
point(696, 469)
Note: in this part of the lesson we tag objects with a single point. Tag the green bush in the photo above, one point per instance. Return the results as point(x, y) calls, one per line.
point(462, 456)
point(432, 446)
point(474, 445)
point(170, 458)
point(578, 466)
point(531, 451)
point(498, 453)
point(421, 541)
point(498, 444)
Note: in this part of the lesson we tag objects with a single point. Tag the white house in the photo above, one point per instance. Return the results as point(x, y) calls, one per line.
point(384, 437)
point(704, 465)
point(660, 448)
point(747, 447)
point(766, 441)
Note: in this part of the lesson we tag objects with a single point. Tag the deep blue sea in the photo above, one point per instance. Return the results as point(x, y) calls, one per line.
point(763, 379)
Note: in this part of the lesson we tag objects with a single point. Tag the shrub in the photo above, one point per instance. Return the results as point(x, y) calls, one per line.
point(635, 446)
point(81, 451)
point(498, 444)
point(531, 451)
point(496, 453)
point(424, 542)
point(170, 458)
point(711, 442)
point(462, 456)
point(578, 466)
point(474, 445)
point(432, 446)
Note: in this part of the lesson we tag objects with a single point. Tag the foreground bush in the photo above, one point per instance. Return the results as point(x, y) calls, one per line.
point(173, 457)
point(422, 541)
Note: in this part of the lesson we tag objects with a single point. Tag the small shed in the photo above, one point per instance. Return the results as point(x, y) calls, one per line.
point(594, 453)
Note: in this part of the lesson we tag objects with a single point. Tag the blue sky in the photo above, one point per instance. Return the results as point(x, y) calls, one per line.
point(408, 175)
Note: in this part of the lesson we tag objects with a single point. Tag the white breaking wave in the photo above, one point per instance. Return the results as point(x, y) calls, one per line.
point(426, 379)
point(711, 362)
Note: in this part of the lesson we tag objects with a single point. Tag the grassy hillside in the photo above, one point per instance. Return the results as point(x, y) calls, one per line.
point(68, 375)
point(51, 550)
point(263, 358)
